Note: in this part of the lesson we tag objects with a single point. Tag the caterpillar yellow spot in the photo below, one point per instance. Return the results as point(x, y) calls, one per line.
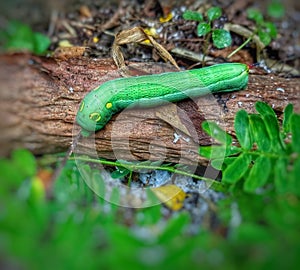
point(81, 106)
point(108, 105)
point(95, 116)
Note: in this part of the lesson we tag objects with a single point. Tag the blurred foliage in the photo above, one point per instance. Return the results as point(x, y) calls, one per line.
point(275, 9)
point(74, 229)
point(266, 30)
point(17, 36)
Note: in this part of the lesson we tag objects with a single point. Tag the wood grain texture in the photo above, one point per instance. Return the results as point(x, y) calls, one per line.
point(39, 98)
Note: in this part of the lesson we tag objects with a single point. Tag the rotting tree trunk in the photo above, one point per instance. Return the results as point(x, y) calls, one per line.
point(39, 98)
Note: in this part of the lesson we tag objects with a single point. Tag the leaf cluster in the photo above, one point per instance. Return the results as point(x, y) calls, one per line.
point(265, 30)
point(268, 155)
point(17, 36)
point(75, 226)
point(221, 38)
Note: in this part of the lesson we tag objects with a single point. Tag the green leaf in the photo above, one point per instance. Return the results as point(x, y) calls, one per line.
point(174, 227)
point(272, 127)
point(25, 162)
point(264, 108)
point(150, 215)
point(276, 9)
point(294, 178)
point(217, 164)
point(95, 182)
point(119, 173)
point(288, 112)
point(211, 152)
point(258, 175)
point(270, 119)
point(229, 160)
point(214, 13)
point(233, 150)
point(220, 164)
point(213, 130)
point(281, 175)
point(271, 29)
point(192, 15)
point(242, 130)
point(203, 28)
point(264, 37)
point(41, 43)
point(255, 15)
point(221, 38)
point(252, 234)
point(9, 175)
point(218, 151)
point(235, 171)
point(20, 37)
point(259, 132)
point(295, 128)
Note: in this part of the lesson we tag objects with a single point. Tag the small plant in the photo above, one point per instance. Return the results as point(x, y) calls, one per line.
point(221, 38)
point(268, 156)
point(265, 30)
point(19, 37)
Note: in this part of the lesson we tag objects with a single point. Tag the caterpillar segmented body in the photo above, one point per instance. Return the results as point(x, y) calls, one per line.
point(100, 104)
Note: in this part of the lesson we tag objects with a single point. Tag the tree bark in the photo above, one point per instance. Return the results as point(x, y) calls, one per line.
point(39, 98)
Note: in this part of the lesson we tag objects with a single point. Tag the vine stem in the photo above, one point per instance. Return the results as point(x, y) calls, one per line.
point(205, 49)
point(241, 46)
point(215, 185)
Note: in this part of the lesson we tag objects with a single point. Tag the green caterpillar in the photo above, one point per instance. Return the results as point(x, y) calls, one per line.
point(99, 105)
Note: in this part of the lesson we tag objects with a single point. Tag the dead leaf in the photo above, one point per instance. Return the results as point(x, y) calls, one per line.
point(85, 11)
point(170, 115)
point(137, 35)
point(171, 195)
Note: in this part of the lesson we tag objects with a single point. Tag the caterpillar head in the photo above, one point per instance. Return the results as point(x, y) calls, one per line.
point(93, 114)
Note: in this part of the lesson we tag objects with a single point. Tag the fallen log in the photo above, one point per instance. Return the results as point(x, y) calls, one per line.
point(39, 98)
